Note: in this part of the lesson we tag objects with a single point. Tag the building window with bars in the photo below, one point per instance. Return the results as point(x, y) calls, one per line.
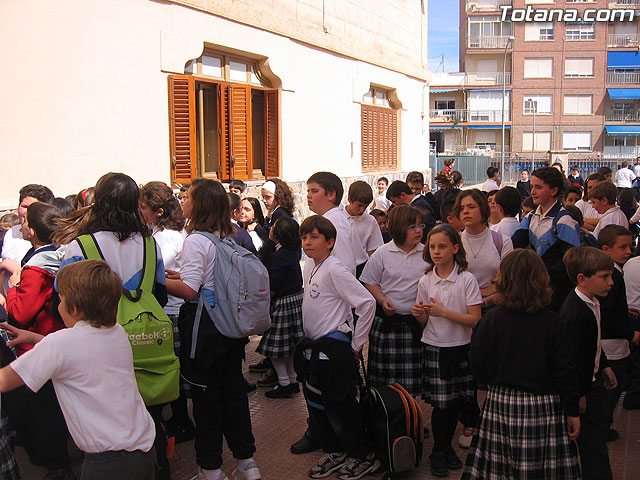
point(580, 31)
point(379, 130)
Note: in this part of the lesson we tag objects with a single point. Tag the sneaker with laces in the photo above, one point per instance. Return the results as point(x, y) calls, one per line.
point(328, 464)
point(210, 475)
point(464, 440)
point(356, 468)
point(249, 472)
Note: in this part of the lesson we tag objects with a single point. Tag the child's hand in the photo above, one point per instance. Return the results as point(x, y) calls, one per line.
point(172, 274)
point(573, 427)
point(251, 227)
point(418, 311)
point(609, 378)
point(636, 338)
point(388, 307)
point(15, 279)
point(435, 308)
point(20, 336)
point(583, 404)
point(3, 301)
point(634, 312)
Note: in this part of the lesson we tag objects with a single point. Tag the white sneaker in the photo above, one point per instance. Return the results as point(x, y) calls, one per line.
point(250, 472)
point(464, 440)
point(210, 475)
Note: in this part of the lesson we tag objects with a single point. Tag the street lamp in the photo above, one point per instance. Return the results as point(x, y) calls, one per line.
point(532, 106)
point(504, 93)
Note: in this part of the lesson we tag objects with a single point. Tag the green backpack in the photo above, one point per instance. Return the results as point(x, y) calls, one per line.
point(148, 327)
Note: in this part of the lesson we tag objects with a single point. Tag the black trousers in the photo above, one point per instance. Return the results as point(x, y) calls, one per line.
point(39, 424)
point(223, 409)
point(592, 442)
point(611, 397)
point(120, 465)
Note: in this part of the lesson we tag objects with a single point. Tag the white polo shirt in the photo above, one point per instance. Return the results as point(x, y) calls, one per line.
point(489, 186)
point(482, 255)
point(382, 202)
point(365, 235)
point(624, 178)
point(587, 210)
point(507, 226)
point(396, 273)
point(456, 292)
point(343, 247)
point(631, 271)
point(613, 216)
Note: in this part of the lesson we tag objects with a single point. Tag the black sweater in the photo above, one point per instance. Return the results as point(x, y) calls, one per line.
point(614, 310)
point(285, 275)
point(526, 351)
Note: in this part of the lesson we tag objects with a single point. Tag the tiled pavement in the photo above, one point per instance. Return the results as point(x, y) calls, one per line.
point(277, 423)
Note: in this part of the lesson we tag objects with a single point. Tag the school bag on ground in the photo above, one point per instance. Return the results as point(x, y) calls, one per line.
point(148, 327)
point(242, 293)
point(393, 422)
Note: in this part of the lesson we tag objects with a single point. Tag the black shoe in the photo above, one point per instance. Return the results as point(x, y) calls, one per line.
point(61, 474)
point(453, 462)
point(295, 387)
point(613, 435)
point(183, 431)
point(280, 391)
point(270, 379)
point(305, 445)
point(251, 386)
point(631, 401)
point(439, 464)
point(263, 366)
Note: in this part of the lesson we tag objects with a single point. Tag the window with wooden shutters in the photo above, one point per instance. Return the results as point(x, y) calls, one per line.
point(224, 120)
point(379, 135)
point(182, 128)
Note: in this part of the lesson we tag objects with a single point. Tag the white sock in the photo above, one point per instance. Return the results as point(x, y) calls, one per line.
point(291, 372)
point(216, 474)
point(243, 463)
point(280, 366)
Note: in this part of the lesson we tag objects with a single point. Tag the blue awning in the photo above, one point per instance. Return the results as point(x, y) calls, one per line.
point(487, 127)
point(623, 60)
point(489, 90)
point(445, 90)
point(624, 93)
point(445, 128)
point(622, 129)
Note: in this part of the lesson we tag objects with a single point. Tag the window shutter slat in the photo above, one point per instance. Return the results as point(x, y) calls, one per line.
point(224, 136)
point(379, 138)
point(239, 125)
point(271, 133)
point(182, 128)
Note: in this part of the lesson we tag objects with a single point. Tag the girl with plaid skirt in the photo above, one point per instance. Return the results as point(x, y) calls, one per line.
point(391, 275)
point(285, 278)
point(522, 351)
point(449, 304)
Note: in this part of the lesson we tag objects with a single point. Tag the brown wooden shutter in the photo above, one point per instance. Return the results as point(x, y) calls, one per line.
point(182, 128)
point(272, 147)
point(379, 136)
point(224, 138)
point(239, 130)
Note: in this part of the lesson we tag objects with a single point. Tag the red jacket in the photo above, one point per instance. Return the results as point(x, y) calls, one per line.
point(29, 305)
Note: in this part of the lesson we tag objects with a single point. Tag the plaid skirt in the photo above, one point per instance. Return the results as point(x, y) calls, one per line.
point(394, 357)
point(8, 465)
point(445, 392)
point(522, 435)
point(286, 327)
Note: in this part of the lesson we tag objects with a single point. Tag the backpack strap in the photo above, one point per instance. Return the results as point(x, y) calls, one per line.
point(558, 216)
point(89, 247)
point(497, 241)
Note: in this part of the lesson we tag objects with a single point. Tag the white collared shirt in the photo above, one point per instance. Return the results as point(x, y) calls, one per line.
point(632, 281)
point(456, 292)
point(396, 273)
point(587, 210)
point(482, 255)
point(507, 226)
point(624, 178)
point(382, 202)
point(594, 305)
point(343, 247)
point(613, 216)
point(365, 235)
point(489, 186)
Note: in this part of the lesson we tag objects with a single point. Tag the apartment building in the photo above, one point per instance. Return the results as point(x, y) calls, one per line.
point(172, 90)
point(577, 82)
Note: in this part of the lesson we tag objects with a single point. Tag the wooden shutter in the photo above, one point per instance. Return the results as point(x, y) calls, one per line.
point(272, 147)
point(224, 139)
point(239, 131)
point(182, 128)
point(379, 136)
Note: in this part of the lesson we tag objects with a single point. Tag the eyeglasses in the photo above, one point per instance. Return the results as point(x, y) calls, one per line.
point(421, 226)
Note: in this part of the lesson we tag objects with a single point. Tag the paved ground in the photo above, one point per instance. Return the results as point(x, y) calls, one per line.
point(279, 423)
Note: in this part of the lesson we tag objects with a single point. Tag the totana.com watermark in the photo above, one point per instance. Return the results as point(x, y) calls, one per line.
point(565, 15)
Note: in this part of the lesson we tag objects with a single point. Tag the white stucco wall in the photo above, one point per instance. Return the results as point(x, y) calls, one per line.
point(84, 92)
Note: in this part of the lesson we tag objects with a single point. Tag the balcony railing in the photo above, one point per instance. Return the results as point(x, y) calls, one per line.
point(619, 78)
point(612, 115)
point(488, 116)
point(627, 2)
point(623, 40)
point(621, 152)
point(481, 41)
point(488, 78)
point(453, 115)
point(485, 5)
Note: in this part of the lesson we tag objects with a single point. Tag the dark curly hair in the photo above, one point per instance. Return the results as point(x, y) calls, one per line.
point(283, 195)
point(158, 196)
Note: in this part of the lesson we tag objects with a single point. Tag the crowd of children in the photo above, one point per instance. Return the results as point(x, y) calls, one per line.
point(429, 283)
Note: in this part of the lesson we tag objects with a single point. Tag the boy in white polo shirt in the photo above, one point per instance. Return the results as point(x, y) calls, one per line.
point(325, 356)
point(365, 232)
point(91, 366)
point(603, 198)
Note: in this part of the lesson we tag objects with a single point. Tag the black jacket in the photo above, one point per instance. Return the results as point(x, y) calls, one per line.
point(615, 310)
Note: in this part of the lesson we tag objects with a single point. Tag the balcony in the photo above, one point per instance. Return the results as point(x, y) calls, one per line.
point(485, 5)
point(627, 2)
point(453, 115)
point(491, 116)
point(623, 40)
point(481, 41)
point(631, 116)
point(488, 78)
point(617, 77)
point(621, 151)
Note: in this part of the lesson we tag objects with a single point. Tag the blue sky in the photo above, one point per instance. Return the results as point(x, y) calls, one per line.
point(443, 34)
